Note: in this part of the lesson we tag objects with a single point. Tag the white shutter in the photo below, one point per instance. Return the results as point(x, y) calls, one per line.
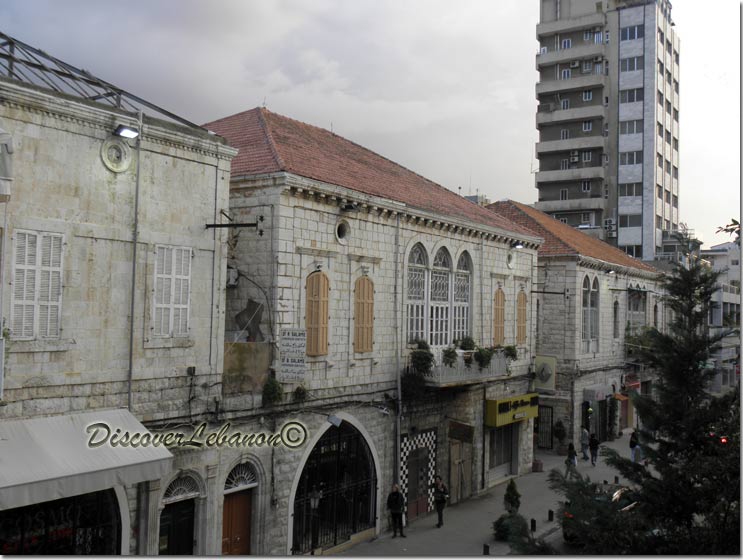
point(172, 291)
point(163, 281)
point(50, 290)
point(181, 299)
point(24, 286)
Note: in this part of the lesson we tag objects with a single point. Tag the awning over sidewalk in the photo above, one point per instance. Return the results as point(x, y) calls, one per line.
point(43, 459)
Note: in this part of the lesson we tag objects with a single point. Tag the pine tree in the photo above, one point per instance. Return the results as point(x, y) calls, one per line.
point(688, 495)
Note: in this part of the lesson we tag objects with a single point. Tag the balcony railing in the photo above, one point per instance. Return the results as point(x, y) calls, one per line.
point(463, 373)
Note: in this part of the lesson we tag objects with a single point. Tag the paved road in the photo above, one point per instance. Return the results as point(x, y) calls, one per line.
point(468, 525)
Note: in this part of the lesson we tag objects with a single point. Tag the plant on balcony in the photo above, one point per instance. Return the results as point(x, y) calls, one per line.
point(272, 392)
point(449, 356)
point(467, 343)
point(483, 356)
point(421, 359)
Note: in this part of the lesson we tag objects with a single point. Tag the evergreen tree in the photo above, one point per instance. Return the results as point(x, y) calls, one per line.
point(688, 493)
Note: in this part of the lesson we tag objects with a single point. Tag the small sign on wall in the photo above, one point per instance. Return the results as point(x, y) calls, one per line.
point(292, 350)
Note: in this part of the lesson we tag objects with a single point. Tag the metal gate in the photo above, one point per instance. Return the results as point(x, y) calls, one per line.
point(544, 427)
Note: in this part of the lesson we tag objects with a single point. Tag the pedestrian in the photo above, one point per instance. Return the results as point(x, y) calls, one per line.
point(593, 444)
point(396, 505)
point(571, 462)
point(440, 495)
point(634, 446)
point(584, 439)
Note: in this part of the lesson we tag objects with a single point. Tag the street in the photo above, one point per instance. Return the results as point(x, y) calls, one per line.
point(468, 525)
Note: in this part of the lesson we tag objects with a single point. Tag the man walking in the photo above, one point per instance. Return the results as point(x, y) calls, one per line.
point(440, 495)
point(396, 505)
point(584, 439)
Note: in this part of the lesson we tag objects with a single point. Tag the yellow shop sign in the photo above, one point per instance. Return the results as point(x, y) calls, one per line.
point(513, 409)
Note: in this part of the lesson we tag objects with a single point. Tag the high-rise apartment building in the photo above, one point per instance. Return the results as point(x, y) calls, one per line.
point(608, 120)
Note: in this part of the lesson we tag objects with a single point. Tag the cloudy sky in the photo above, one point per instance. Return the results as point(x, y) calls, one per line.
point(444, 88)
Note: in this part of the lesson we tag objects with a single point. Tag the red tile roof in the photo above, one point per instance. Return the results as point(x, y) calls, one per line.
point(269, 142)
point(562, 239)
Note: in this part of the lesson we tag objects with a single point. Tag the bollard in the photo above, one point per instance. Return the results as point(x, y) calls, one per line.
point(533, 525)
point(486, 550)
point(550, 515)
point(606, 482)
point(616, 480)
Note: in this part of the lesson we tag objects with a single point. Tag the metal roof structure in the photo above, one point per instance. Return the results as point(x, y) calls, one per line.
point(27, 64)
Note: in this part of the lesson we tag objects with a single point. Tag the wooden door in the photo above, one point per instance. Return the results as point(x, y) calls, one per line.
point(236, 523)
point(176, 528)
point(417, 482)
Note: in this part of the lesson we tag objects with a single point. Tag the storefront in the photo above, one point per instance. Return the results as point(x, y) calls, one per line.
point(505, 418)
point(60, 495)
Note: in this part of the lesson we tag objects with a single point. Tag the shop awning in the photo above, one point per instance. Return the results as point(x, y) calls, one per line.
point(44, 459)
point(621, 397)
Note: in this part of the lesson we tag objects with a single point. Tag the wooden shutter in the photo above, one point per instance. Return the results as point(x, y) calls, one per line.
point(499, 317)
point(521, 318)
point(24, 285)
point(363, 332)
point(316, 317)
point(50, 285)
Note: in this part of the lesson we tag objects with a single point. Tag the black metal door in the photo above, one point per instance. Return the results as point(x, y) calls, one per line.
point(176, 528)
point(603, 421)
point(544, 427)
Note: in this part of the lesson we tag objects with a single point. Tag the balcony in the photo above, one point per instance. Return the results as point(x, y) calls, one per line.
point(547, 113)
point(582, 143)
point(461, 373)
point(586, 81)
point(577, 174)
point(571, 24)
point(572, 205)
point(579, 52)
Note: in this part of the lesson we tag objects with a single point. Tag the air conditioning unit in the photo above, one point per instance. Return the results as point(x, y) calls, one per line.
point(575, 64)
point(611, 233)
point(543, 50)
point(598, 59)
point(608, 223)
point(574, 153)
point(574, 159)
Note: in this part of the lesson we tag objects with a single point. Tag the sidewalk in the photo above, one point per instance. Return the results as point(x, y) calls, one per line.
point(468, 525)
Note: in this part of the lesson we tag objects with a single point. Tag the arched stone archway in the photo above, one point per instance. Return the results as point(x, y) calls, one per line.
point(336, 495)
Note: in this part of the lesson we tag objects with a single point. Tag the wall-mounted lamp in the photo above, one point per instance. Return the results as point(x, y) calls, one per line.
point(333, 419)
point(349, 207)
point(612, 272)
point(126, 131)
point(517, 245)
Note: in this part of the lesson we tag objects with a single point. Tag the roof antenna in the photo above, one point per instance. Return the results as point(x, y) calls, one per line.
point(460, 190)
point(264, 102)
point(331, 127)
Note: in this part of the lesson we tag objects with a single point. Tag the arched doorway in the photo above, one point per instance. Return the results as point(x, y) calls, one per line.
point(336, 495)
point(237, 512)
point(177, 517)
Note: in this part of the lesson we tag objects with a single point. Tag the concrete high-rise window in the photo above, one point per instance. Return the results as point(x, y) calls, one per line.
point(586, 156)
point(564, 164)
point(585, 186)
point(630, 220)
point(630, 95)
point(587, 95)
point(565, 74)
point(563, 194)
point(630, 127)
point(566, 43)
point(630, 158)
point(565, 104)
point(587, 126)
point(630, 64)
point(630, 189)
point(588, 35)
point(631, 32)
point(564, 134)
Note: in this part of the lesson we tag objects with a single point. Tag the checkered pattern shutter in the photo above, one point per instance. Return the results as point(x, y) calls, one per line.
point(363, 333)
point(499, 317)
point(316, 316)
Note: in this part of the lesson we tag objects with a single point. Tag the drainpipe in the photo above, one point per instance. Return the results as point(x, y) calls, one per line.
point(397, 356)
point(135, 236)
point(214, 258)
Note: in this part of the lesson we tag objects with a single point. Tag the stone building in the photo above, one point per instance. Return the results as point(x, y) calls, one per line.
point(97, 328)
point(349, 259)
point(588, 297)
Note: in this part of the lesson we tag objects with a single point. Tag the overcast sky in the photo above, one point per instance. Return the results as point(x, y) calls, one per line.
point(444, 88)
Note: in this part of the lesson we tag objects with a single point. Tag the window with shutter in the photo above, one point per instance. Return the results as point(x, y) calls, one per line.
point(171, 305)
point(316, 316)
point(363, 333)
point(37, 285)
point(499, 317)
point(521, 318)
point(462, 297)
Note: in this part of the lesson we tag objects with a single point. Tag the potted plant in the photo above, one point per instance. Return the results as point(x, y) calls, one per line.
point(272, 392)
point(421, 359)
point(483, 357)
point(300, 394)
point(467, 346)
point(449, 356)
point(413, 381)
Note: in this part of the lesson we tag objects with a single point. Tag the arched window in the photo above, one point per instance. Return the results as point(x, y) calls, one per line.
point(462, 289)
point(590, 315)
point(316, 318)
point(417, 264)
point(363, 317)
point(439, 299)
point(616, 319)
point(521, 318)
point(499, 317)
